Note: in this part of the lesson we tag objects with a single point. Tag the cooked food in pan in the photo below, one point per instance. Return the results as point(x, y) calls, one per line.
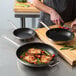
point(36, 56)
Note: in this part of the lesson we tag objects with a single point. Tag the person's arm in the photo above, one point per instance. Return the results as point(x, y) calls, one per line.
point(42, 7)
point(73, 24)
point(54, 16)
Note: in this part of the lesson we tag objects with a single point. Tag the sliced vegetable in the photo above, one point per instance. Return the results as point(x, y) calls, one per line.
point(47, 53)
point(22, 0)
point(26, 6)
point(66, 47)
point(23, 54)
point(73, 48)
point(38, 61)
point(22, 5)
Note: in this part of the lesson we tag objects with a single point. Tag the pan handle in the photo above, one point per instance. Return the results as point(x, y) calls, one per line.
point(5, 37)
point(14, 26)
point(57, 62)
point(44, 25)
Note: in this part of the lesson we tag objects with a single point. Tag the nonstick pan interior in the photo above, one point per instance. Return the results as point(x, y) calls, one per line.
point(60, 34)
point(46, 47)
point(24, 33)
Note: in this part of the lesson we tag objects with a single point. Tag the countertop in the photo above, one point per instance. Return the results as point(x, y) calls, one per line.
point(19, 8)
point(9, 66)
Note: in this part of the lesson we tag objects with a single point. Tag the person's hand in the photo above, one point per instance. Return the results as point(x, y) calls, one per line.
point(73, 25)
point(55, 17)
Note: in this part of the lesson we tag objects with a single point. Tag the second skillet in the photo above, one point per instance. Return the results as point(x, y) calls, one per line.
point(59, 35)
point(23, 33)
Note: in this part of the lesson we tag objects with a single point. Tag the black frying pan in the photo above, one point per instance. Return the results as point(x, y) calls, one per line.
point(46, 47)
point(38, 45)
point(23, 33)
point(59, 35)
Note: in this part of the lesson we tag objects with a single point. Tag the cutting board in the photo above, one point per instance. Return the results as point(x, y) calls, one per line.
point(69, 56)
point(29, 9)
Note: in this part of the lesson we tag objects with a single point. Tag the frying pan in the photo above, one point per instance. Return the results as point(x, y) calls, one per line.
point(23, 33)
point(59, 35)
point(25, 47)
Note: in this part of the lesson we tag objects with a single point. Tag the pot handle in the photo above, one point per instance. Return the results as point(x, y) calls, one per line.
point(56, 63)
point(5, 37)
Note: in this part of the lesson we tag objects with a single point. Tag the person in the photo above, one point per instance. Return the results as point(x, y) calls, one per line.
point(56, 11)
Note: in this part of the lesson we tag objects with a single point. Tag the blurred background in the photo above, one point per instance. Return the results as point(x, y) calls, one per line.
point(7, 13)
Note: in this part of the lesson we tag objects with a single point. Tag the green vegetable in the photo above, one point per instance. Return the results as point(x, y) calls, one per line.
point(46, 53)
point(66, 47)
point(73, 48)
point(38, 61)
point(27, 6)
point(22, 0)
point(22, 5)
point(23, 54)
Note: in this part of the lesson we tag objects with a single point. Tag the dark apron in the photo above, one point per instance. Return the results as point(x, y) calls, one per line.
point(63, 7)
